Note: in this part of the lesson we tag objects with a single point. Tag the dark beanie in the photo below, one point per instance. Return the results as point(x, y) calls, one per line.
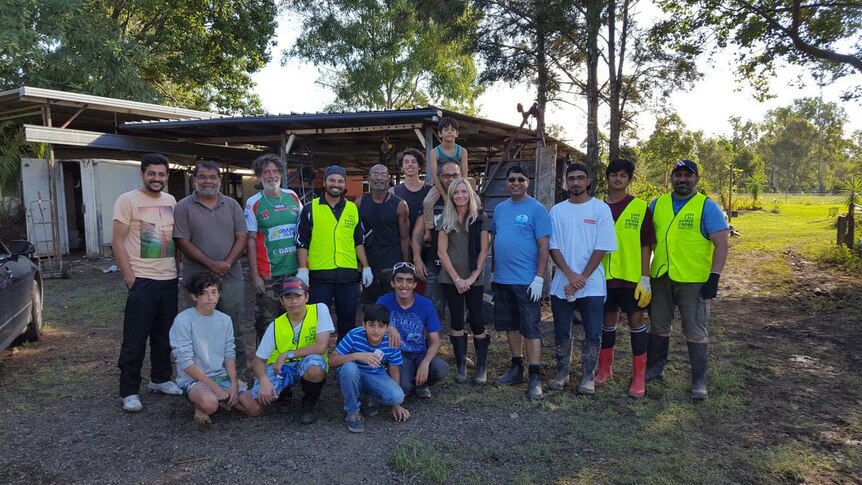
point(334, 170)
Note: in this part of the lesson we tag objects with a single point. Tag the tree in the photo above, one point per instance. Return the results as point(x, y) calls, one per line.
point(195, 54)
point(766, 32)
point(852, 189)
point(715, 155)
point(829, 119)
point(668, 143)
point(790, 143)
point(390, 54)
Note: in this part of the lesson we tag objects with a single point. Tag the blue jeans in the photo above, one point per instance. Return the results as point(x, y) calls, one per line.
point(290, 373)
point(355, 382)
point(437, 370)
point(592, 310)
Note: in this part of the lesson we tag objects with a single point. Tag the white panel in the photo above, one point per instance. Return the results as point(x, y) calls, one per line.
point(34, 175)
point(113, 178)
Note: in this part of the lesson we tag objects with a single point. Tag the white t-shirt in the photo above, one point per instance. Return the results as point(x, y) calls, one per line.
point(577, 231)
point(267, 343)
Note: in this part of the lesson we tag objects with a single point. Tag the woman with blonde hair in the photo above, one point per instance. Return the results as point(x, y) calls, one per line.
point(463, 248)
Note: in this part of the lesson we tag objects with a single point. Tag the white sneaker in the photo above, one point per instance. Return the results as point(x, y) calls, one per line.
point(167, 387)
point(132, 403)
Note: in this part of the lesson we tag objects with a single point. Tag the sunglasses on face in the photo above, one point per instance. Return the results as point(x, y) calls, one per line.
point(516, 179)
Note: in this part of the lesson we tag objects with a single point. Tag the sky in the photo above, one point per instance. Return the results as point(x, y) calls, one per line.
point(707, 107)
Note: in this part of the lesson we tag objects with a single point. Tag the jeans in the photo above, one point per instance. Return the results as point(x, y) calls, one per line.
point(592, 315)
point(346, 298)
point(474, 299)
point(291, 373)
point(437, 370)
point(151, 307)
point(379, 386)
point(434, 292)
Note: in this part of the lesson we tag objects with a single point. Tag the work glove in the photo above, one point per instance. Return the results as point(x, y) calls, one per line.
point(302, 273)
point(643, 292)
point(367, 277)
point(709, 290)
point(535, 288)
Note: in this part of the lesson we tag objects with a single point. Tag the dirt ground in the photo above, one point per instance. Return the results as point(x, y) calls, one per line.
point(786, 393)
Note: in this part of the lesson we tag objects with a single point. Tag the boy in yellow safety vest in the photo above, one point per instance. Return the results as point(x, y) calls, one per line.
point(293, 348)
point(627, 275)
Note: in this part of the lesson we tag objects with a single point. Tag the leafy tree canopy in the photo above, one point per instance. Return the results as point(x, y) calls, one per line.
point(817, 35)
point(193, 53)
point(389, 54)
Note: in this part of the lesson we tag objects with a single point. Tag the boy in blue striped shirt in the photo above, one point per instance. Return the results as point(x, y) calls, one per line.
point(361, 358)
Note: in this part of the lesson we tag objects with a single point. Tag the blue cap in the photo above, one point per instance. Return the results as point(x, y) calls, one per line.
point(685, 164)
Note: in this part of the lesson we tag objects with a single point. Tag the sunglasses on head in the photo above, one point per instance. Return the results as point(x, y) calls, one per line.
point(402, 264)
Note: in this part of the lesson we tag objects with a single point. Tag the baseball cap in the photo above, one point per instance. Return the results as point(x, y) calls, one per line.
point(291, 284)
point(686, 164)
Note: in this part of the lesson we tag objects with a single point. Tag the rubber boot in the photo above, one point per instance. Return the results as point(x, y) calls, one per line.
point(515, 374)
point(656, 357)
point(589, 359)
point(697, 356)
point(312, 391)
point(605, 371)
point(459, 349)
point(534, 390)
point(481, 346)
point(563, 353)
point(638, 388)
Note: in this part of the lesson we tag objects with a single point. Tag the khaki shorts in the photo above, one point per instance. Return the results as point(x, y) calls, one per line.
point(667, 296)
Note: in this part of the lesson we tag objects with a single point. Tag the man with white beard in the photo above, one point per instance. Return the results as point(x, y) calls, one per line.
point(271, 217)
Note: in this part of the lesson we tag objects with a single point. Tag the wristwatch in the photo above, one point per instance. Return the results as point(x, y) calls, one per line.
point(291, 354)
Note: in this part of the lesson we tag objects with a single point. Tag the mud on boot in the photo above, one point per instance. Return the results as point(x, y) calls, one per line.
point(534, 389)
point(459, 350)
point(589, 359)
point(481, 345)
point(657, 347)
point(515, 374)
point(563, 354)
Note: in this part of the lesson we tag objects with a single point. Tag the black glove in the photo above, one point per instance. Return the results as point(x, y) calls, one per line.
point(709, 290)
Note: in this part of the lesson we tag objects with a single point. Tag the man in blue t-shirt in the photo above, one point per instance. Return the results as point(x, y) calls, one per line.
point(521, 227)
point(414, 322)
point(362, 357)
point(691, 249)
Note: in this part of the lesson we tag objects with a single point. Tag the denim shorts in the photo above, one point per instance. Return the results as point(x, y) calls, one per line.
point(514, 310)
point(290, 373)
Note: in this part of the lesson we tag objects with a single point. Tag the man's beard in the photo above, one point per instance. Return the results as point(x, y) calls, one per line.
point(271, 186)
point(682, 189)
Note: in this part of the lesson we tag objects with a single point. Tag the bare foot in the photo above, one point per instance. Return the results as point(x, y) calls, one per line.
point(202, 417)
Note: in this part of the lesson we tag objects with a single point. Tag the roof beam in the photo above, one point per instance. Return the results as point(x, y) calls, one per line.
point(354, 129)
point(108, 141)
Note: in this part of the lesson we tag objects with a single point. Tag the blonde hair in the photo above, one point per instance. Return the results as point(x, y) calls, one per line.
point(450, 214)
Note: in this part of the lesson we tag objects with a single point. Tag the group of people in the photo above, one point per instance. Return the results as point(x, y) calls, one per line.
point(414, 249)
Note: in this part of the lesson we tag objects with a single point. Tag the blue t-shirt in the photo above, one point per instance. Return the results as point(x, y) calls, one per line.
point(413, 322)
point(356, 340)
point(516, 227)
point(712, 220)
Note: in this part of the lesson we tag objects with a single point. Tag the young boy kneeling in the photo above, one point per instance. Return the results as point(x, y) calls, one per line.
point(203, 345)
point(362, 356)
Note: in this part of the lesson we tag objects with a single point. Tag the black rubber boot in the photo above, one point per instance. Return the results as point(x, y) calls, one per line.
point(656, 357)
point(515, 374)
point(312, 391)
point(481, 345)
point(697, 356)
point(589, 359)
point(563, 354)
point(534, 390)
point(282, 406)
point(459, 349)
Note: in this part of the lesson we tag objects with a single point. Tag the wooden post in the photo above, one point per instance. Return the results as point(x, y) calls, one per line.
point(842, 230)
point(546, 175)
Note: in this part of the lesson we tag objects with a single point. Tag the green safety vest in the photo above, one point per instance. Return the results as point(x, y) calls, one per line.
point(625, 262)
point(284, 337)
point(681, 249)
point(332, 240)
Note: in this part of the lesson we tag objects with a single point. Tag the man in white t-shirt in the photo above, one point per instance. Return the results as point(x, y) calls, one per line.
point(582, 232)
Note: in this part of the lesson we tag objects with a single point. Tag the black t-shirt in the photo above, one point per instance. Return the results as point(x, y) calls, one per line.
point(413, 199)
point(382, 237)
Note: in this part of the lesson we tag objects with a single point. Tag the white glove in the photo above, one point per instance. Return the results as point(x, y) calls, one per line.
point(302, 273)
point(367, 277)
point(535, 289)
point(643, 292)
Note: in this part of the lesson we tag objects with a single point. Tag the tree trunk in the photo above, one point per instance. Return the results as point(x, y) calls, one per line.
point(542, 70)
point(593, 21)
point(613, 85)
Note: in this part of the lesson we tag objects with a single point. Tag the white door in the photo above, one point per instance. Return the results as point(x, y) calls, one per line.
point(34, 175)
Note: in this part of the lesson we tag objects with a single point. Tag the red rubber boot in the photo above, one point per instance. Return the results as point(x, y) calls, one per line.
point(638, 387)
point(605, 371)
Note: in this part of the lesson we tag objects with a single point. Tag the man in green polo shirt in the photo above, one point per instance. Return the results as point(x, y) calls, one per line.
point(691, 249)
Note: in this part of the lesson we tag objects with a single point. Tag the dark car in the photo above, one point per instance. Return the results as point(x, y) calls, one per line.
point(20, 294)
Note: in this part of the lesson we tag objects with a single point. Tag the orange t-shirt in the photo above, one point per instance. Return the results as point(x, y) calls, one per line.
point(150, 241)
